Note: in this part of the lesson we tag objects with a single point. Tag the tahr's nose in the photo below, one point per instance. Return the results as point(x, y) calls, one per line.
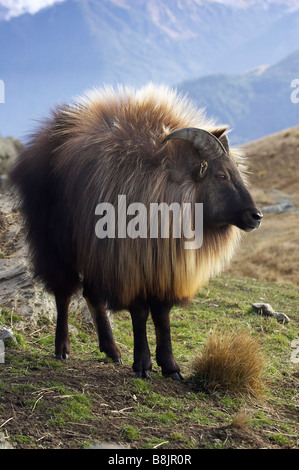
point(252, 218)
point(257, 215)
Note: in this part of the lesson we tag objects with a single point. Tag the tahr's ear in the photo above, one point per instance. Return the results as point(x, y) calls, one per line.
point(199, 170)
point(220, 134)
point(203, 166)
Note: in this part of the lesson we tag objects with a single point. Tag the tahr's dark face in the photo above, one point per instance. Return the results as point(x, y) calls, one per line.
point(221, 189)
point(226, 200)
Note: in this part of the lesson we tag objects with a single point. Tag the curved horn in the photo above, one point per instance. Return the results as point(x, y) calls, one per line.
point(202, 140)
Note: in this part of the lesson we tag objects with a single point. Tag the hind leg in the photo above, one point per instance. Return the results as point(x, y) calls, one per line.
point(62, 342)
point(98, 311)
point(63, 295)
point(142, 361)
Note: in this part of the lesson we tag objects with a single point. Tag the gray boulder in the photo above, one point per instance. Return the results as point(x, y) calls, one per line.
point(19, 292)
point(9, 149)
point(268, 311)
point(4, 444)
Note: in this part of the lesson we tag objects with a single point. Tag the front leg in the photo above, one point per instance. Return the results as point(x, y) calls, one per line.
point(142, 362)
point(161, 317)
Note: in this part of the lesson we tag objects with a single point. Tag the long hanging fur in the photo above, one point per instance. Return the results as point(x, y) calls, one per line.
point(108, 143)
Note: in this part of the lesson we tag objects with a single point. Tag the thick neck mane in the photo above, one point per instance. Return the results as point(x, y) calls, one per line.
point(112, 146)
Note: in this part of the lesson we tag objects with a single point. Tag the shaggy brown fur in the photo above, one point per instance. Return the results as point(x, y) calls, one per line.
point(108, 143)
point(112, 146)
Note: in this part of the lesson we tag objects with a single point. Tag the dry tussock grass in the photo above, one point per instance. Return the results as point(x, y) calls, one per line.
point(231, 362)
point(240, 420)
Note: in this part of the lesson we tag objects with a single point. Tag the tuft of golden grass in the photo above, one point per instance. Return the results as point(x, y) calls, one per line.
point(232, 362)
point(240, 420)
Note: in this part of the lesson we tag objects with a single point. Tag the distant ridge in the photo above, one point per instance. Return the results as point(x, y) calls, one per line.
point(60, 51)
point(255, 103)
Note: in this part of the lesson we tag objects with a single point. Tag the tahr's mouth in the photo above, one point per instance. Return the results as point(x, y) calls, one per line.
point(250, 227)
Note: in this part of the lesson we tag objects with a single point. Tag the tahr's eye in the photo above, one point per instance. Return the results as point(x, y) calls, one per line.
point(221, 177)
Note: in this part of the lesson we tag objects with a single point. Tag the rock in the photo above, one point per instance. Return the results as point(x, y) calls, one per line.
point(19, 292)
point(3, 183)
point(295, 353)
point(264, 309)
point(295, 356)
point(4, 444)
point(281, 317)
point(268, 311)
point(73, 330)
point(6, 332)
point(2, 221)
point(278, 208)
point(2, 352)
point(9, 149)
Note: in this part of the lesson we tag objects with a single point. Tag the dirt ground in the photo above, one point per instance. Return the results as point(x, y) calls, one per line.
point(107, 387)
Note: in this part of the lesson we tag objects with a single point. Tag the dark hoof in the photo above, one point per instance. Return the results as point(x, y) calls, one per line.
point(117, 360)
point(176, 376)
point(61, 356)
point(143, 374)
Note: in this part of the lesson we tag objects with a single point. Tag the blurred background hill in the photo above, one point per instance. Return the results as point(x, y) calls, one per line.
point(255, 103)
point(236, 57)
point(272, 252)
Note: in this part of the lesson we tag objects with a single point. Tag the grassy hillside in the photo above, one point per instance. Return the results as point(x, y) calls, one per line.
point(85, 400)
point(272, 252)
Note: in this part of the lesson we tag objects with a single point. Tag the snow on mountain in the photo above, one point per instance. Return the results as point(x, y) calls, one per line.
point(12, 8)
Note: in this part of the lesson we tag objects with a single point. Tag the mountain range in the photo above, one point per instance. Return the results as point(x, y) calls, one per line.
point(254, 104)
point(60, 51)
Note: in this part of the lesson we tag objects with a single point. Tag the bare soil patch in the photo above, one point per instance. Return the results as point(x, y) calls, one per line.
point(29, 404)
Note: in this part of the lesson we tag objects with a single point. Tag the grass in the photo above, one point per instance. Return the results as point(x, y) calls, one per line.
point(8, 318)
point(77, 402)
point(73, 407)
point(230, 361)
point(129, 432)
point(18, 438)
